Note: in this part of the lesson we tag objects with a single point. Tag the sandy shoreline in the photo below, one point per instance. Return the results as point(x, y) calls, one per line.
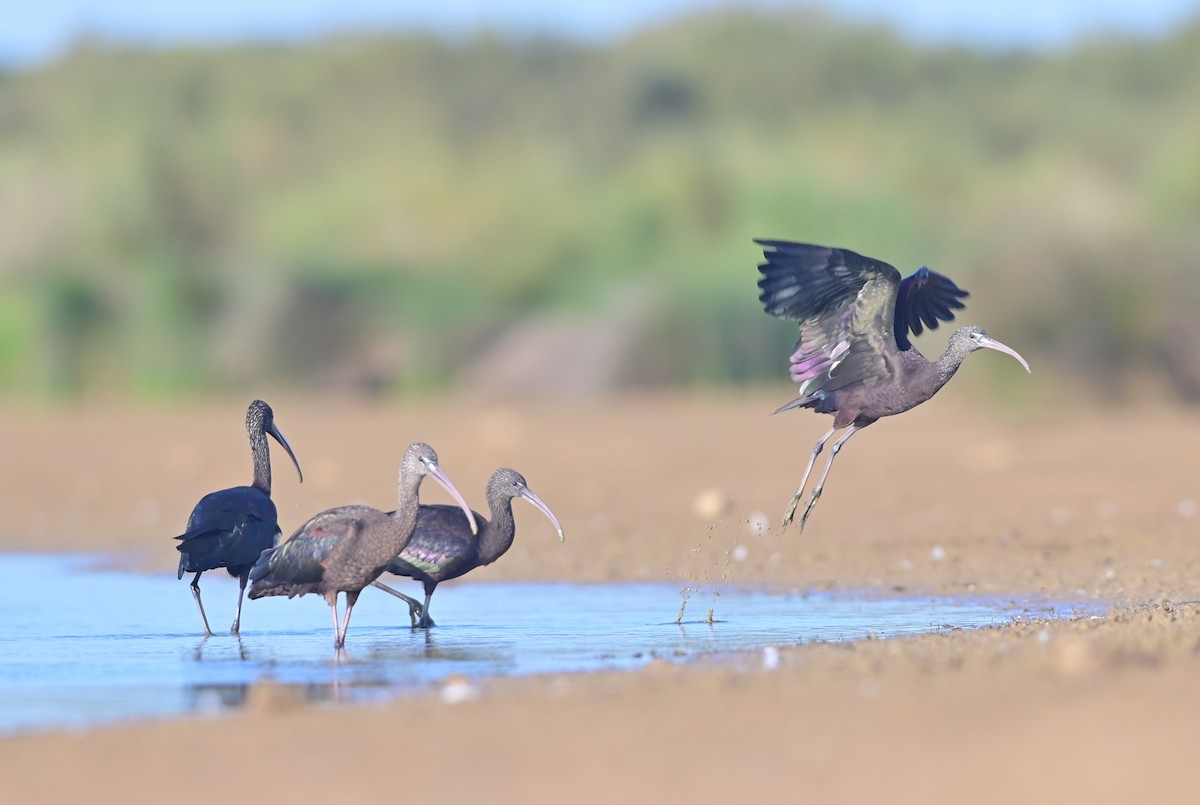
point(946, 499)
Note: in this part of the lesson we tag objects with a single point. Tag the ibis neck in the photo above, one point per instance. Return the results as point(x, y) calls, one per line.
point(948, 363)
point(407, 501)
point(498, 533)
point(261, 456)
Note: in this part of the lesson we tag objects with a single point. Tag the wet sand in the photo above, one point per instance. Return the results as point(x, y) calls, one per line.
point(952, 497)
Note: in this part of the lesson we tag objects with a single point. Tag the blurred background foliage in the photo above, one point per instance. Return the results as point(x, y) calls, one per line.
point(403, 213)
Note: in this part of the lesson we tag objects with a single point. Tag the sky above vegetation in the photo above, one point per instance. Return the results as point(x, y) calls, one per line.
point(36, 32)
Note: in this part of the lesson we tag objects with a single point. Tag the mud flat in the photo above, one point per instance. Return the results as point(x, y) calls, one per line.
point(951, 499)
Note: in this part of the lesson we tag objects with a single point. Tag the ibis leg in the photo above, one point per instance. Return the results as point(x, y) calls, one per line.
point(237, 619)
point(816, 493)
point(414, 606)
point(196, 594)
point(351, 598)
point(337, 629)
point(812, 460)
point(426, 621)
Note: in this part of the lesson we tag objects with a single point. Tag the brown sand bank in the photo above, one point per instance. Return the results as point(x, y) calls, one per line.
point(1099, 505)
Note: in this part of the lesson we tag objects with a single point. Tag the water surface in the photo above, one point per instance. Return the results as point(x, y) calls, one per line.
point(81, 645)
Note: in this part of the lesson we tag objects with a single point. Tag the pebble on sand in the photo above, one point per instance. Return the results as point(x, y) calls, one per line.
point(711, 504)
point(458, 689)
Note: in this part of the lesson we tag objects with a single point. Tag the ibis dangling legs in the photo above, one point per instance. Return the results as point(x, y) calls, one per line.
point(816, 493)
point(812, 460)
point(854, 358)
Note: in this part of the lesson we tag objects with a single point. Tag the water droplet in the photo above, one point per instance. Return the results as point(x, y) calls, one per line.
point(757, 524)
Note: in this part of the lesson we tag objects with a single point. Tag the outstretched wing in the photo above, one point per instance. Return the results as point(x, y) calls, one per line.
point(845, 305)
point(854, 312)
point(925, 297)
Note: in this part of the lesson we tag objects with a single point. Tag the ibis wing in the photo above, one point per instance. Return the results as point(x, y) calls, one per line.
point(303, 557)
point(802, 281)
point(845, 306)
point(441, 541)
point(227, 529)
point(925, 297)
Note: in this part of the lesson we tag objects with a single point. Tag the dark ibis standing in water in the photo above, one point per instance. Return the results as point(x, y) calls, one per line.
point(343, 550)
point(854, 358)
point(444, 547)
point(232, 527)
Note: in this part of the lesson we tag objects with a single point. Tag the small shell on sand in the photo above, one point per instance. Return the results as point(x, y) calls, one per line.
point(712, 504)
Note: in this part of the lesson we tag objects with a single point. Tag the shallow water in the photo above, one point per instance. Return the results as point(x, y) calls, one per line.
point(81, 645)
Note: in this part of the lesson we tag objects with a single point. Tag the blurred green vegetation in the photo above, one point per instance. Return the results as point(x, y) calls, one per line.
point(385, 214)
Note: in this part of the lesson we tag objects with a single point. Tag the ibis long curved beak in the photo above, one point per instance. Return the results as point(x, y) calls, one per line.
point(434, 471)
point(991, 343)
point(274, 431)
point(544, 509)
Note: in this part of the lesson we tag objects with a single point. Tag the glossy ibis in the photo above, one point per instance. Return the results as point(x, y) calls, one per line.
point(345, 549)
point(442, 546)
point(854, 358)
point(230, 528)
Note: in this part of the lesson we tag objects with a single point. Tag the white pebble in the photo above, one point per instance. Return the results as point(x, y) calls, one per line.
point(770, 658)
point(938, 553)
point(710, 505)
point(458, 690)
point(1043, 637)
point(739, 553)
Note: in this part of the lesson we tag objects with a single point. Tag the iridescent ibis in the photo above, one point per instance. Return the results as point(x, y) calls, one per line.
point(232, 527)
point(343, 550)
point(444, 547)
point(854, 358)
